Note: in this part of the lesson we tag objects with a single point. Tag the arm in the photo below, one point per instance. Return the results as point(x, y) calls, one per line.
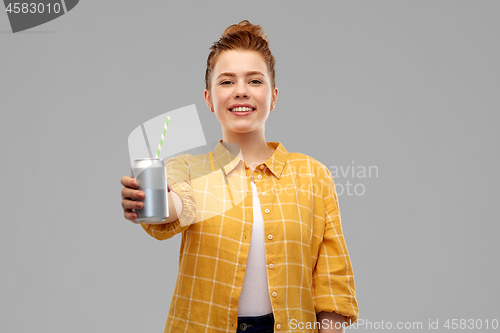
point(333, 279)
point(334, 323)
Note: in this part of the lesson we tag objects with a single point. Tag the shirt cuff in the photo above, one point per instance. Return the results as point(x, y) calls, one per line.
point(188, 213)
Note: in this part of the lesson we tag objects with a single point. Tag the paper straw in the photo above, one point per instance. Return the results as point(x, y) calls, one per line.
point(162, 137)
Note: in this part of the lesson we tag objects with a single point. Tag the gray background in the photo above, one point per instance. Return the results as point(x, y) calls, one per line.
point(411, 87)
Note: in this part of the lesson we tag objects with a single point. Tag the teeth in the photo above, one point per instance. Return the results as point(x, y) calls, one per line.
point(241, 109)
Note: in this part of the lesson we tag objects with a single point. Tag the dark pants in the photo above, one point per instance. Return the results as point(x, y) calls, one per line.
point(258, 324)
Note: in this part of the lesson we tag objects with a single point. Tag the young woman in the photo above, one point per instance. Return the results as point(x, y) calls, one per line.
point(262, 247)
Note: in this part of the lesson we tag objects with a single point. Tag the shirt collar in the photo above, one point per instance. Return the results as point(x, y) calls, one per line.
point(227, 161)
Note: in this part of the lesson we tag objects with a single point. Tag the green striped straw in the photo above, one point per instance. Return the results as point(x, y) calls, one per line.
point(162, 137)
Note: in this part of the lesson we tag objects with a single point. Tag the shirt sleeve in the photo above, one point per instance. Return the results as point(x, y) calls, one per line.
point(179, 179)
point(333, 279)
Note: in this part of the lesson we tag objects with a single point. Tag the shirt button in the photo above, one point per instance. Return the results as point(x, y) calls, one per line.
point(264, 193)
point(262, 166)
point(278, 326)
point(275, 294)
point(267, 211)
point(271, 266)
point(259, 177)
point(270, 236)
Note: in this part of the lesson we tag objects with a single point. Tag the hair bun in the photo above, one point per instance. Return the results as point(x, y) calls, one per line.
point(245, 26)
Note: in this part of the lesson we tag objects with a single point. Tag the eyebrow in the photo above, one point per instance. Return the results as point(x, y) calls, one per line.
point(247, 74)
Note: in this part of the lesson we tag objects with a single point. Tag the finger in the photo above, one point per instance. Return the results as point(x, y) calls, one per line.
point(130, 215)
point(131, 204)
point(129, 182)
point(128, 193)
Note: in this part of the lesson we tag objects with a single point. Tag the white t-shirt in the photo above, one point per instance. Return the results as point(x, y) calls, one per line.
point(254, 298)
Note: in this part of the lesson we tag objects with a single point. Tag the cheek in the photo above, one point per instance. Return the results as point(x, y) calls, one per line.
point(264, 96)
point(220, 97)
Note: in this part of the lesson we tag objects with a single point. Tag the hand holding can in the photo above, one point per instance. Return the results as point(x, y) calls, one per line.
point(131, 198)
point(151, 178)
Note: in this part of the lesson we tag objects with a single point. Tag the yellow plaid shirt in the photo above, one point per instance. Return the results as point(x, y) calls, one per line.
point(308, 265)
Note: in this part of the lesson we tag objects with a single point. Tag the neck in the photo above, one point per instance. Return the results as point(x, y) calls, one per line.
point(251, 147)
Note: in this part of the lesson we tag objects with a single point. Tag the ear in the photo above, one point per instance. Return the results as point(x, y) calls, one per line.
point(274, 98)
point(208, 99)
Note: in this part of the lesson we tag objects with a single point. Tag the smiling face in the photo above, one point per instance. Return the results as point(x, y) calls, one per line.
point(240, 82)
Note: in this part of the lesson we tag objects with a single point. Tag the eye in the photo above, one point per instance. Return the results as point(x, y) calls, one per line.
point(225, 82)
point(256, 81)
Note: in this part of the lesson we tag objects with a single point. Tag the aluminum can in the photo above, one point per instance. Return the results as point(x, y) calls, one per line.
point(151, 176)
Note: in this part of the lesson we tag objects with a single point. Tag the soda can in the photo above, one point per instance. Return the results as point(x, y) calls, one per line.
point(151, 176)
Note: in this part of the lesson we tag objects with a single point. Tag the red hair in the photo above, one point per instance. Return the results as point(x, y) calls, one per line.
point(242, 36)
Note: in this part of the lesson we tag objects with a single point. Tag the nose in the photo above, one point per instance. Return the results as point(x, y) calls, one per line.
point(241, 90)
